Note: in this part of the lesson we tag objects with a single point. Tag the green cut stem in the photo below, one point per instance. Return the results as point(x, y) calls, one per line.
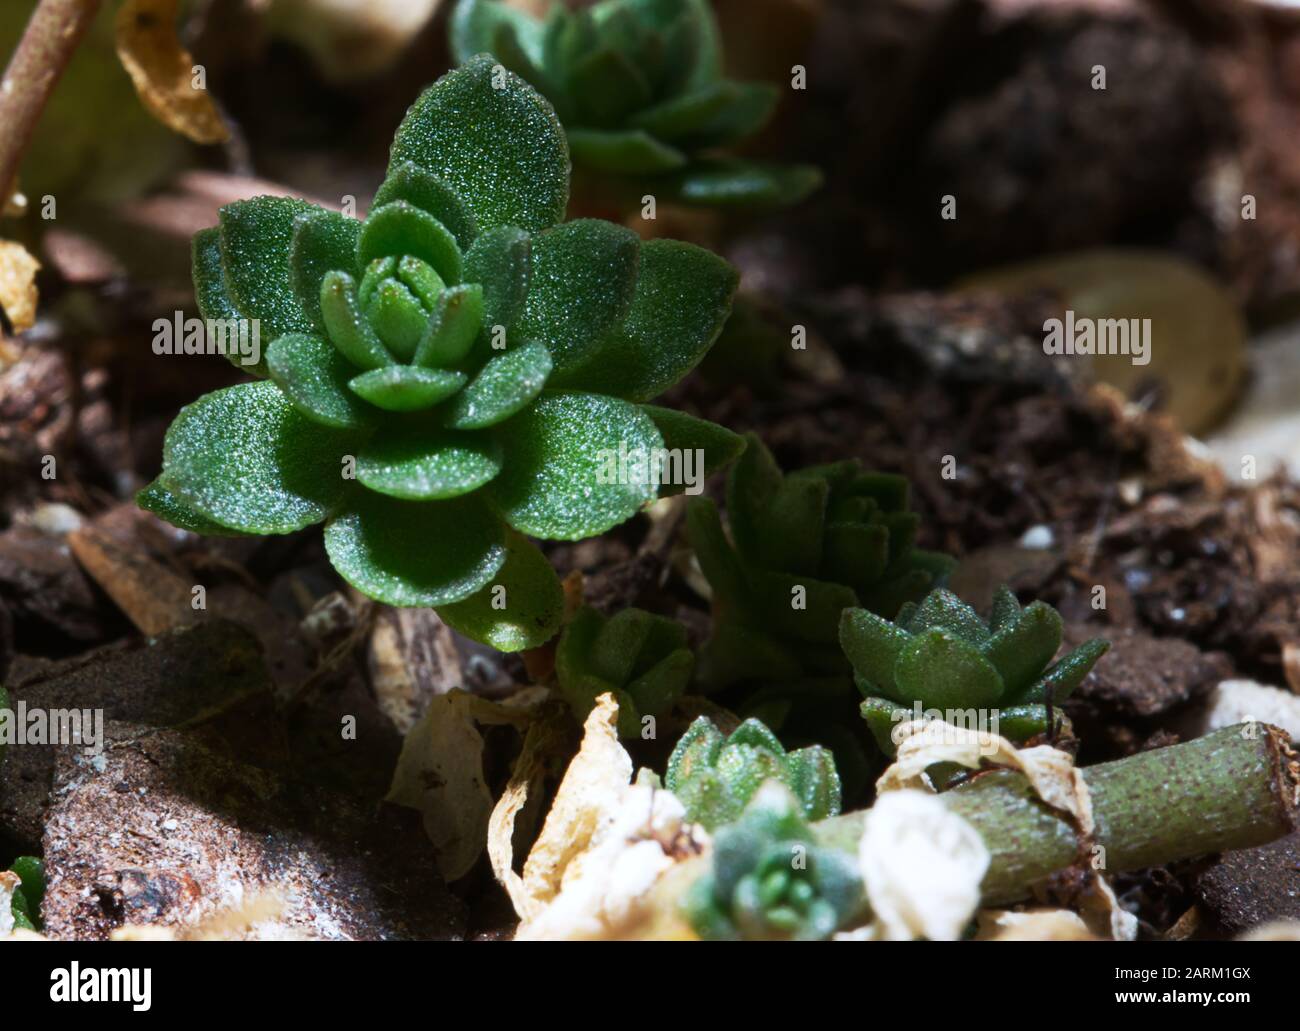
point(1235, 788)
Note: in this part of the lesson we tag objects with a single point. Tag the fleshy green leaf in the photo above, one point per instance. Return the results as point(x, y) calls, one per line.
point(873, 646)
point(656, 690)
point(419, 186)
point(400, 228)
point(1069, 672)
point(474, 25)
point(499, 261)
point(696, 750)
point(533, 602)
point(416, 553)
point(777, 594)
point(314, 376)
point(882, 716)
point(607, 87)
point(349, 330)
point(423, 463)
point(507, 48)
point(505, 385)
point(256, 236)
point(746, 109)
point(792, 525)
point(857, 552)
point(1006, 607)
point(718, 560)
point(624, 152)
point(1021, 722)
point(733, 183)
point(406, 388)
point(815, 781)
point(681, 301)
point(560, 455)
point(246, 458)
point(1023, 650)
point(736, 653)
point(751, 485)
point(943, 610)
point(159, 500)
point(502, 150)
point(584, 276)
point(682, 432)
point(687, 113)
point(453, 327)
point(395, 313)
point(210, 290)
point(946, 673)
point(322, 242)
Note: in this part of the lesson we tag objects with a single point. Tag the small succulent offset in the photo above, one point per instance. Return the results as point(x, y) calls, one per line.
point(449, 376)
point(641, 658)
point(807, 546)
point(25, 904)
point(771, 881)
point(715, 777)
point(639, 87)
point(941, 655)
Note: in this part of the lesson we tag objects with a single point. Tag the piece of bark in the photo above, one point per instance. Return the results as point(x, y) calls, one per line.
point(152, 596)
point(412, 658)
point(1144, 676)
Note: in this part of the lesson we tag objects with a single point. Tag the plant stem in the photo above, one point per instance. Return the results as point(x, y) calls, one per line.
point(52, 34)
point(1232, 789)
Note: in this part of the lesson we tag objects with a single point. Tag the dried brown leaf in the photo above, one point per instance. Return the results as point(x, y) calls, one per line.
point(440, 772)
point(18, 285)
point(163, 71)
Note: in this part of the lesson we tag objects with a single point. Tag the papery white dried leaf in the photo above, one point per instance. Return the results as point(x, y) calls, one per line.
point(921, 865)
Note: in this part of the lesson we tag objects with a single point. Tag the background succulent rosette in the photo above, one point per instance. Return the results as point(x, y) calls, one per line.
point(640, 87)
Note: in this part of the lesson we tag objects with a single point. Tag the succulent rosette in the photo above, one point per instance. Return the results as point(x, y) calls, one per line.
point(449, 376)
point(715, 777)
point(770, 880)
point(639, 657)
point(942, 656)
point(640, 88)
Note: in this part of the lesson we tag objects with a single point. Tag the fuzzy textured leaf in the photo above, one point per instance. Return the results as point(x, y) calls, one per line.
point(415, 553)
point(501, 150)
point(558, 452)
point(247, 459)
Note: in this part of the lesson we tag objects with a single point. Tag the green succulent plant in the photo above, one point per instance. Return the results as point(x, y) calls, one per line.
point(715, 777)
point(448, 377)
point(769, 880)
point(639, 87)
point(25, 905)
point(641, 658)
point(803, 548)
point(941, 655)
